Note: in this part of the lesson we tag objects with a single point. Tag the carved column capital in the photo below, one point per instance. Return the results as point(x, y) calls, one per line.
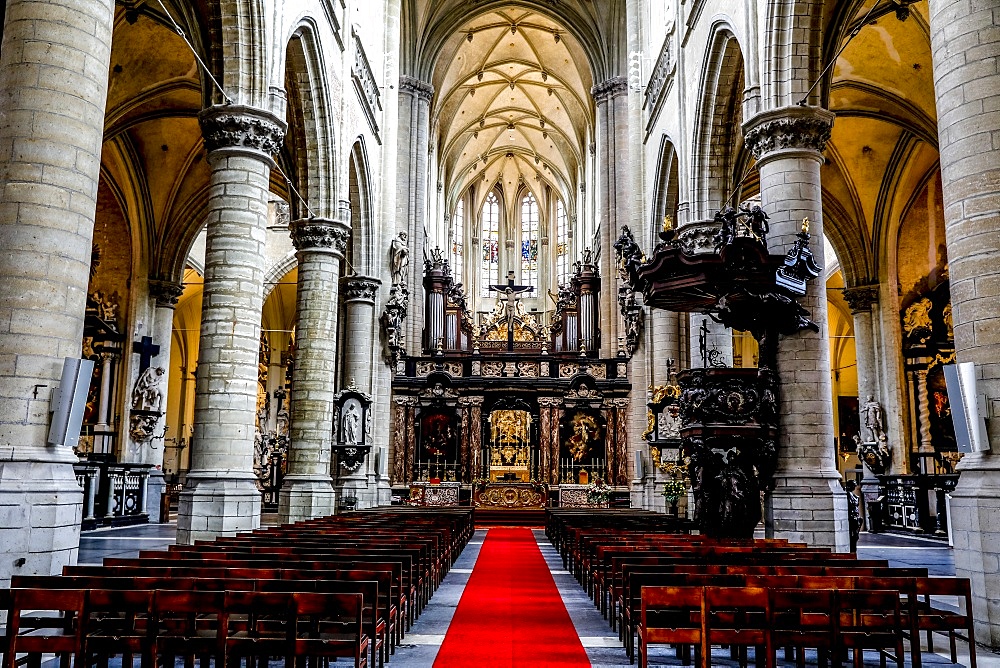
point(803, 128)
point(416, 87)
point(861, 298)
point(320, 235)
point(609, 89)
point(360, 288)
point(239, 127)
point(550, 401)
point(166, 293)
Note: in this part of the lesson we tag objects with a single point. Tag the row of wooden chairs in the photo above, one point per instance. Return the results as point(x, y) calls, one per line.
point(347, 586)
point(622, 562)
point(832, 621)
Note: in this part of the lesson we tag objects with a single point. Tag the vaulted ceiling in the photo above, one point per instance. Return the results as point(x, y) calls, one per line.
point(512, 103)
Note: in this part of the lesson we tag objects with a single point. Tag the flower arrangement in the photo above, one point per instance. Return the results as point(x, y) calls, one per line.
point(598, 493)
point(673, 489)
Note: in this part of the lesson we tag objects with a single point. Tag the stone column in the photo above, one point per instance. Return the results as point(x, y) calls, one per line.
point(860, 299)
point(307, 490)
point(412, 191)
point(54, 77)
point(166, 293)
point(614, 205)
point(808, 503)
point(359, 331)
point(220, 496)
point(969, 141)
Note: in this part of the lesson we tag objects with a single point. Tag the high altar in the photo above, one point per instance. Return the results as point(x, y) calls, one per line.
point(509, 407)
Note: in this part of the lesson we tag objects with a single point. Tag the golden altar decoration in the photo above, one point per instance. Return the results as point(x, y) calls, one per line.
point(510, 495)
point(510, 434)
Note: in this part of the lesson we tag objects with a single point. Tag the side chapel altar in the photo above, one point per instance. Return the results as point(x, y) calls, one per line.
point(510, 408)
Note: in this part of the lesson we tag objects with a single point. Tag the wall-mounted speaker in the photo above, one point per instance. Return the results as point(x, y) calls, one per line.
point(68, 401)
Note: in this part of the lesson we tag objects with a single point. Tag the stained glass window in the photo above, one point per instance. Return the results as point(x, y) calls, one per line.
point(562, 244)
point(457, 240)
point(529, 240)
point(490, 263)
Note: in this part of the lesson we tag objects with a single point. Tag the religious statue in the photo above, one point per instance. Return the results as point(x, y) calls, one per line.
point(399, 259)
point(917, 321)
point(147, 395)
point(630, 256)
point(872, 411)
point(669, 426)
point(352, 424)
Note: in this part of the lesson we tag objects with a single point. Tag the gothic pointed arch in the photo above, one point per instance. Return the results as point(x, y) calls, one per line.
point(718, 136)
point(311, 138)
point(666, 186)
point(361, 253)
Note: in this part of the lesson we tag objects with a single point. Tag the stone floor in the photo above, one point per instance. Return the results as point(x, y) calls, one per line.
point(422, 643)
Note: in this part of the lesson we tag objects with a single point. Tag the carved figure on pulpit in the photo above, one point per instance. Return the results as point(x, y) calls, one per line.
point(147, 394)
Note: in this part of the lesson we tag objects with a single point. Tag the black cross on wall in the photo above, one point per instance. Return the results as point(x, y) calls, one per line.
point(146, 351)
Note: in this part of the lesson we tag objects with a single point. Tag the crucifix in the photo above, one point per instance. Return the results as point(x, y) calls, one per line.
point(146, 351)
point(511, 295)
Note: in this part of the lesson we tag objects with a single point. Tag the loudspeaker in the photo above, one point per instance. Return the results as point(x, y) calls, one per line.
point(640, 465)
point(968, 407)
point(68, 401)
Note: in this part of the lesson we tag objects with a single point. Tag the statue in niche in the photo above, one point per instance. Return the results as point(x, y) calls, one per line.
point(872, 411)
point(399, 259)
point(352, 423)
point(147, 395)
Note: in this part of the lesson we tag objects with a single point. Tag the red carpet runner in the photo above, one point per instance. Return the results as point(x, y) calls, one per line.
point(510, 613)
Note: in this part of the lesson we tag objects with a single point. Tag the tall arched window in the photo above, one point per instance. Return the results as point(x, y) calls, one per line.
point(457, 240)
point(489, 268)
point(562, 244)
point(529, 240)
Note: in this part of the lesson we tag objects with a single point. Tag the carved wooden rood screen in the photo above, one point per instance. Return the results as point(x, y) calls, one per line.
point(728, 416)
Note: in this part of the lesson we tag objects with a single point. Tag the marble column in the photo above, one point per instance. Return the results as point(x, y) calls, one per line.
point(969, 140)
point(808, 503)
point(220, 496)
point(359, 332)
point(307, 490)
point(54, 77)
point(166, 293)
point(412, 192)
point(613, 196)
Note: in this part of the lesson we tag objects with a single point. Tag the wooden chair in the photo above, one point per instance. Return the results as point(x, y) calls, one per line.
point(930, 618)
point(188, 625)
point(738, 617)
point(672, 616)
point(45, 621)
point(869, 619)
point(116, 622)
point(329, 626)
point(803, 619)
